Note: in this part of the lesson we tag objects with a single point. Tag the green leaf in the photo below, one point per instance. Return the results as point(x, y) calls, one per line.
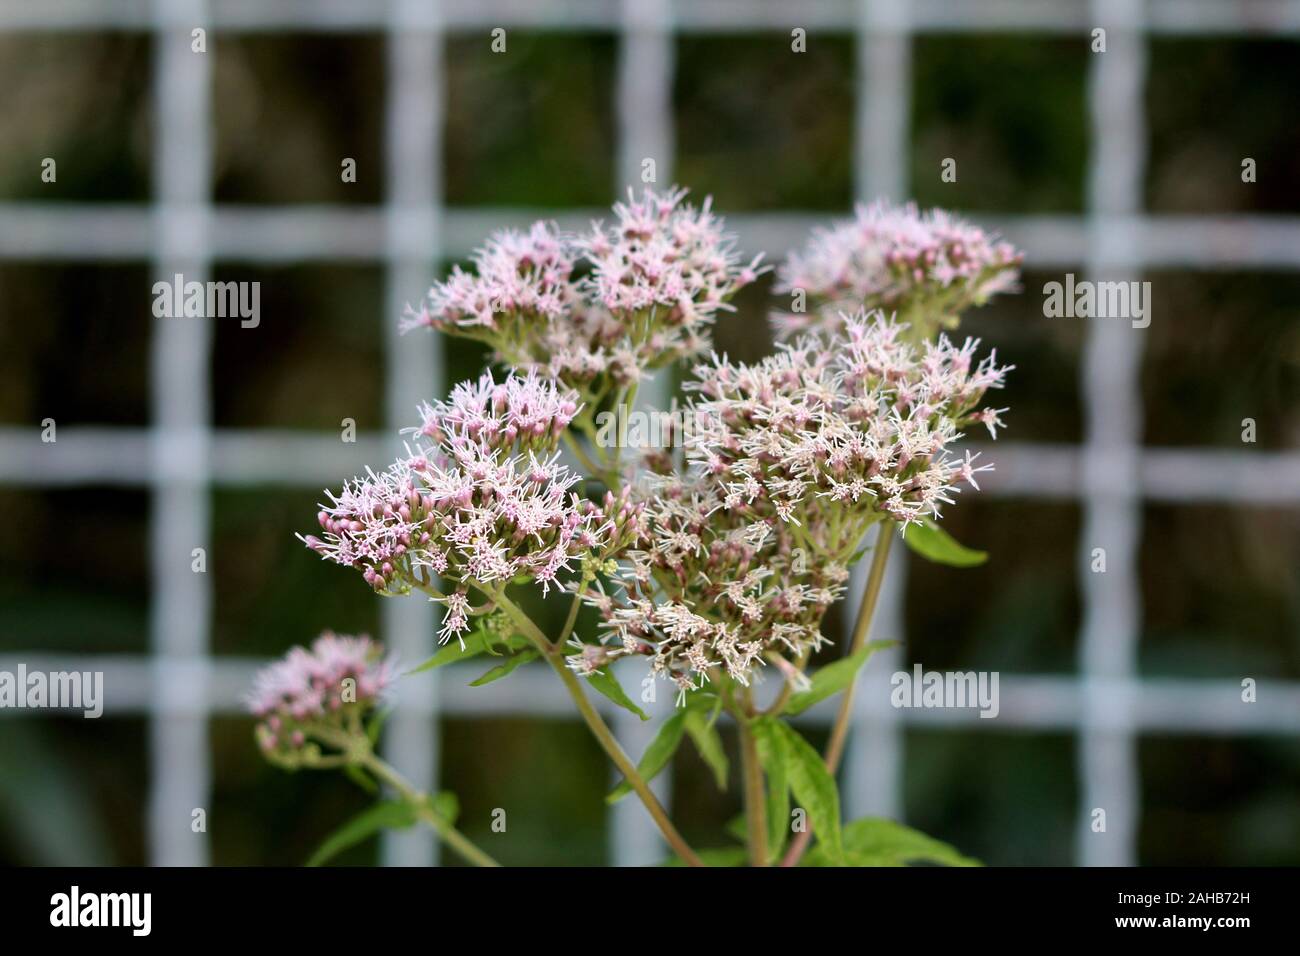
point(721, 856)
point(772, 755)
point(874, 841)
point(376, 725)
point(704, 700)
point(607, 684)
point(478, 641)
point(475, 644)
point(656, 755)
point(708, 742)
point(737, 827)
point(934, 544)
point(446, 806)
point(389, 814)
point(360, 778)
point(506, 667)
point(815, 789)
point(833, 678)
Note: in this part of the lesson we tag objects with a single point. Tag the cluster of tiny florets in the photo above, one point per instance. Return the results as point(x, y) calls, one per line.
point(521, 412)
point(338, 679)
point(485, 504)
point(706, 588)
point(792, 460)
point(596, 310)
point(514, 272)
point(927, 267)
point(733, 561)
point(857, 425)
point(667, 258)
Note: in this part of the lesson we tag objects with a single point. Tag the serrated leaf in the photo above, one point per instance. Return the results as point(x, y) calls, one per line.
point(657, 755)
point(833, 678)
point(874, 841)
point(708, 743)
point(607, 684)
point(388, 814)
point(935, 544)
point(815, 789)
point(506, 667)
point(772, 756)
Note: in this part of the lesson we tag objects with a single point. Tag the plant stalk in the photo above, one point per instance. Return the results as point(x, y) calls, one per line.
point(755, 797)
point(861, 627)
point(449, 834)
point(604, 736)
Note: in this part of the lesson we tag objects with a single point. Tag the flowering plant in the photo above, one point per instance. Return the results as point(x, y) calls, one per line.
point(715, 562)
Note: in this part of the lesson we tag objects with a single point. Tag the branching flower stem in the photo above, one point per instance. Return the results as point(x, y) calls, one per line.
point(357, 751)
point(449, 834)
point(840, 729)
point(600, 730)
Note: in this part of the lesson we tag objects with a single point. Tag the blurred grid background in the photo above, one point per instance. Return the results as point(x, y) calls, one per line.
point(1119, 690)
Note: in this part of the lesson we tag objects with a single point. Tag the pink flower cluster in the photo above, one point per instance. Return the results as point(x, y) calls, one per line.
point(927, 267)
point(794, 458)
point(664, 255)
point(858, 424)
point(655, 279)
point(708, 587)
point(515, 274)
point(520, 412)
point(337, 677)
point(486, 504)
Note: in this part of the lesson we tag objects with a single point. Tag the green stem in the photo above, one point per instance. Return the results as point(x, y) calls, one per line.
point(755, 798)
point(449, 834)
point(840, 729)
point(600, 730)
point(610, 743)
point(861, 627)
point(625, 399)
point(572, 619)
point(524, 622)
point(787, 689)
point(629, 400)
point(579, 452)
